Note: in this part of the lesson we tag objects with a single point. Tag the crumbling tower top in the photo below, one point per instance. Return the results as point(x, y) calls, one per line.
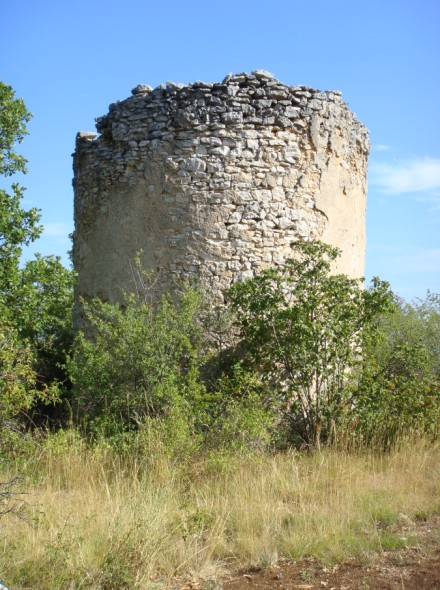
point(215, 181)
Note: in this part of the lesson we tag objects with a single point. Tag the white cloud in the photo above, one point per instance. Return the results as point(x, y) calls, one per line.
point(57, 230)
point(381, 147)
point(409, 176)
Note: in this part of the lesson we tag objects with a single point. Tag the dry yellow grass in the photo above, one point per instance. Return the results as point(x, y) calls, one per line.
point(99, 522)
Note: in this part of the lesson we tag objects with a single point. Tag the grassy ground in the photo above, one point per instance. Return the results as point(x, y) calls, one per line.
point(97, 521)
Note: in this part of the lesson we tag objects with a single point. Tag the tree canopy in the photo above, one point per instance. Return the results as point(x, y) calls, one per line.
point(35, 298)
point(18, 227)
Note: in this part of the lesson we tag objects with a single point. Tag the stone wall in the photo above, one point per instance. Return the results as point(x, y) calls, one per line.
point(215, 181)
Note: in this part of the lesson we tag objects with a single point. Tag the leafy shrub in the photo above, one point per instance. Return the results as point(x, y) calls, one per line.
point(17, 374)
point(399, 387)
point(301, 327)
point(240, 414)
point(138, 363)
point(18, 391)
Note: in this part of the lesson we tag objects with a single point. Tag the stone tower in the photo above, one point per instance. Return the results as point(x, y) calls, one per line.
point(215, 181)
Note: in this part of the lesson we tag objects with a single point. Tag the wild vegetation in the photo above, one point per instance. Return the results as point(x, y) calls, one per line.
point(173, 439)
point(98, 518)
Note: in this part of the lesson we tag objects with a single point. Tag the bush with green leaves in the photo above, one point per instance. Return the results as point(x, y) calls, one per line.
point(42, 310)
point(18, 390)
point(302, 327)
point(240, 413)
point(17, 378)
point(399, 387)
point(45, 313)
point(414, 324)
point(138, 362)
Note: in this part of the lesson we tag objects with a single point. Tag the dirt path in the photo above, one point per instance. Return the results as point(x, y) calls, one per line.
point(408, 570)
point(414, 568)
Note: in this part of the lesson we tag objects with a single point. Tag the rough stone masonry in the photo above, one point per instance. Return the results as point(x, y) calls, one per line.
point(216, 181)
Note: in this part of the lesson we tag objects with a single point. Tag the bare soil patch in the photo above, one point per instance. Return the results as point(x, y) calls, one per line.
point(416, 567)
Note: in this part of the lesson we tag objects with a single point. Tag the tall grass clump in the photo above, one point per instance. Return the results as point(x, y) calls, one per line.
point(99, 520)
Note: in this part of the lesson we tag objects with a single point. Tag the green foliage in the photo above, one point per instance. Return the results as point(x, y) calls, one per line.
point(138, 363)
point(17, 226)
point(35, 300)
point(17, 376)
point(19, 387)
point(39, 307)
point(302, 329)
point(17, 384)
point(138, 370)
point(13, 119)
point(428, 317)
point(240, 414)
point(43, 309)
point(17, 229)
point(399, 387)
point(415, 325)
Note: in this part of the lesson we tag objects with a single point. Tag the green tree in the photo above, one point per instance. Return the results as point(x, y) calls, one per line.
point(35, 300)
point(414, 324)
point(302, 329)
point(43, 311)
point(14, 117)
point(17, 226)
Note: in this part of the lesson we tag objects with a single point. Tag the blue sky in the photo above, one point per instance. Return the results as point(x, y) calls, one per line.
point(70, 60)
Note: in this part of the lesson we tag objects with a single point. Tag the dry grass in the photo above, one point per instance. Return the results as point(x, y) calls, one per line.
point(99, 522)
